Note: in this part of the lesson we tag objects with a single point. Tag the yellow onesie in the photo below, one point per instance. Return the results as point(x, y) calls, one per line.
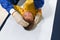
point(27, 6)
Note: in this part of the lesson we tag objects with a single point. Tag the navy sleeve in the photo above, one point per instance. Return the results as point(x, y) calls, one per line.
point(7, 5)
point(14, 1)
point(38, 3)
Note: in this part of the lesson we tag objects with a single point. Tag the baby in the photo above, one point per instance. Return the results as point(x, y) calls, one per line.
point(28, 11)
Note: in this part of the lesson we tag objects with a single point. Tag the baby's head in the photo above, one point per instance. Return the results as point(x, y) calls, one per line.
point(28, 16)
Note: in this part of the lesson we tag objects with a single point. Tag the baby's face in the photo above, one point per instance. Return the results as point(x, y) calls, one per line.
point(28, 16)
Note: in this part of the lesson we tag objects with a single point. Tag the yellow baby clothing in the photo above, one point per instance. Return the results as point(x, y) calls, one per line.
point(27, 6)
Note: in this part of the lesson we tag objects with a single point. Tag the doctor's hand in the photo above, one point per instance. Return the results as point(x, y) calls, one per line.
point(19, 19)
point(38, 17)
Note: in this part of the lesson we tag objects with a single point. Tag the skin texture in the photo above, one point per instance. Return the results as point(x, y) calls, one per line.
point(28, 16)
point(30, 19)
point(33, 23)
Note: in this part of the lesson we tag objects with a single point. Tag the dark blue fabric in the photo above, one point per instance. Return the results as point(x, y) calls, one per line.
point(13, 1)
point(38, 3)
point(56, 25)
point(7, 5)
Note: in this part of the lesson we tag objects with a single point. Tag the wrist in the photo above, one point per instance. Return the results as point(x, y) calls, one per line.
point(12, 11)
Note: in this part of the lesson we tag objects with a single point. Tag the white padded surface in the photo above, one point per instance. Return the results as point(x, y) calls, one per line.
point(13, 31)
point(3, 14)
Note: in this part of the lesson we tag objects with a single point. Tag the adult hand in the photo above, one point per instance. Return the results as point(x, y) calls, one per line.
point(38, 17)
point(19, 19)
